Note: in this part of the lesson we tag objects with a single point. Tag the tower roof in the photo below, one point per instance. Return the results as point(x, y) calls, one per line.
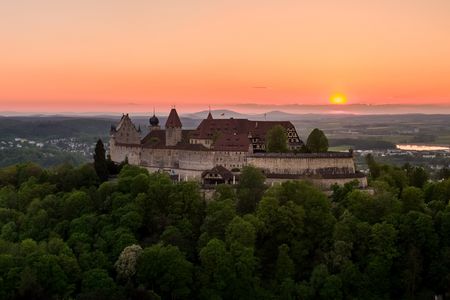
point(209, 117)
point(173, 121)
point(154, 121)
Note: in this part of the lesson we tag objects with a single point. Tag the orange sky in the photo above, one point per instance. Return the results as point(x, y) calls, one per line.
point(115, 55)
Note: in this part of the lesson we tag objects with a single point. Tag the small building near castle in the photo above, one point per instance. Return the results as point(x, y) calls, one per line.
point(217, 149)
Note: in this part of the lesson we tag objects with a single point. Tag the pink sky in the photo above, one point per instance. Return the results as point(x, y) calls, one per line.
point(113, 55)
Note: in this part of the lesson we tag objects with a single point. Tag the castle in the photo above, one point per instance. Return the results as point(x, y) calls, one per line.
point(217, 149)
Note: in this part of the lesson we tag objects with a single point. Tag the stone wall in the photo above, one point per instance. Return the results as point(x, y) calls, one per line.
point(230, 159)
point(119, 152)
point(186, 163)
point(196, 160)
point(160, 158)
point(301, 164)
point(189, 165)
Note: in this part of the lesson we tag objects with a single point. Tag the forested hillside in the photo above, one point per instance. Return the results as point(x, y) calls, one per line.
point(65, 235)
point(53, 127)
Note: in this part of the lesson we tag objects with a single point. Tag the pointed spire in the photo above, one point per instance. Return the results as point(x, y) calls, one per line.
point(173, 121)
point(209, 117)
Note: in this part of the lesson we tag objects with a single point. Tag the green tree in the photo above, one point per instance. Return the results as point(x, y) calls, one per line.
point(417, 176)
point(250, 189)
point(412, 199)
point(97, 284)
point(374, 167)
point(217, 274)
point(277, 140)
point(100, 164)
point(165, 269)
point(241, 231)
point(284, 265)
point(126, 264)
point(218, 215)
point(317, 142)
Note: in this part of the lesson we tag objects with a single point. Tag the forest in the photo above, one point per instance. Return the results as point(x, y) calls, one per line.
point(67, 233)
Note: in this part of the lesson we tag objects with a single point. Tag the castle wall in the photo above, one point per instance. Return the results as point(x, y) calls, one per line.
point(196, 160)
point(120, 152)
point(160, 158)
point(303, 165)
point(230, 159)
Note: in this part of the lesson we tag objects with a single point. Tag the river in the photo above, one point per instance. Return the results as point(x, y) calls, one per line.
point(409, 147)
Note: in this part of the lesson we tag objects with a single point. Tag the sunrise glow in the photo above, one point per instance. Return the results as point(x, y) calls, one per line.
point(135, 55)
point(338, 99)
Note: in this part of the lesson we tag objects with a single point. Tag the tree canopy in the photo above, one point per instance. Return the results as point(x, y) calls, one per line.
point(277, 140)
point(64, 234)
point(317, 142)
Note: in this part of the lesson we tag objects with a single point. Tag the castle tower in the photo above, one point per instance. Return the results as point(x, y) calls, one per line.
point(125, 141)
point(173, 128)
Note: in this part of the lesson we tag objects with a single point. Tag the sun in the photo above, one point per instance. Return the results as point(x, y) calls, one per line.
point(338, 99)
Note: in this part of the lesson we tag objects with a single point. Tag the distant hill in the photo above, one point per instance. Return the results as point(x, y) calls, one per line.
point(52, 127)
point(47, 127)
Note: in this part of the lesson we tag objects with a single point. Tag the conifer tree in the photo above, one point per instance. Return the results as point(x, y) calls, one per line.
point(100, 164)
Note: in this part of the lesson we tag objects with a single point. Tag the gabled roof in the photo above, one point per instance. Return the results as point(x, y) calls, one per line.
point(173, 121)
point(261, 128)
point(209, 127)
point(124, 121)
point(222, 171)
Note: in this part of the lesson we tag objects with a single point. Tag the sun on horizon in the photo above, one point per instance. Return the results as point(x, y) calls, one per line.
point(338, 99)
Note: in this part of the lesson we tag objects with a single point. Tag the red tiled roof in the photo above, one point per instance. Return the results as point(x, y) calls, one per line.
point(173, 120)
point(261, 128)
point(156, 139)
point(229, 134)
point(233, 134)
point(232, 142)
point(209, 127)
